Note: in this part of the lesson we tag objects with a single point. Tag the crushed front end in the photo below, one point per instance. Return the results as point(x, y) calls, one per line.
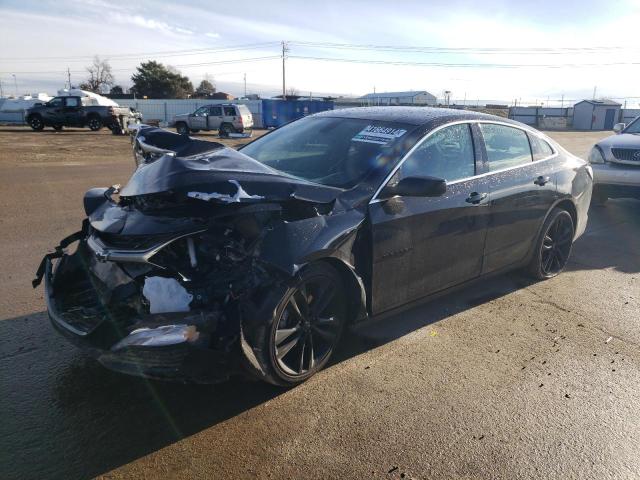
point(163, 305)
point(176, 275)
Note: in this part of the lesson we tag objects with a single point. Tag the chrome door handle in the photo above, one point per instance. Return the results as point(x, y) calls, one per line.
point(541, 181)
point(475, 197)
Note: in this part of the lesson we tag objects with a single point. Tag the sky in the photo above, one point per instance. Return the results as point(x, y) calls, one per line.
point(526, 51)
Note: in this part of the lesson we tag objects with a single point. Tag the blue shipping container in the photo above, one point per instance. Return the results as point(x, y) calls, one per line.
point(276, 113)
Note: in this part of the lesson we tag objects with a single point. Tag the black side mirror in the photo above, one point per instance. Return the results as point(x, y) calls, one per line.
point(417, 187)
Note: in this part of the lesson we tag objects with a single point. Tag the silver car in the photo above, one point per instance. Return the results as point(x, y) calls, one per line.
point(227, 118)
point(616, 164)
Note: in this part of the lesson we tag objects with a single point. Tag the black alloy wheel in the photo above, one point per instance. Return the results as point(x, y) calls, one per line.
point(554, 246)
point(308, 326)
point(36, 123)
point(94, 124)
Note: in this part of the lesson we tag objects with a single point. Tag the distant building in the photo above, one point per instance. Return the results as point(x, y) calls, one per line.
point(595, 114)
point(221, 96)
point(419, 97)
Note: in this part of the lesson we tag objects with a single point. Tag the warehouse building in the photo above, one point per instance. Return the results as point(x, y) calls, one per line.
point(419, 97)
point(595, 114)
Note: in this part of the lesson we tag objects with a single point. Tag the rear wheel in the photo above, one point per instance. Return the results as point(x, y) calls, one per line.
point(306, 327)
point(553, 246)
point(94, 124)
point(225, 130)
point(182, 128)
point(36, 123)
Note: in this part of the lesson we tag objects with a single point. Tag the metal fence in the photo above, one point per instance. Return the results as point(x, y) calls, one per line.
point(163, 111)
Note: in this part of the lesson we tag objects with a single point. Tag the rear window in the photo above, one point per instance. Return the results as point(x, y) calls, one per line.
point(506, 146)
point(540, 148)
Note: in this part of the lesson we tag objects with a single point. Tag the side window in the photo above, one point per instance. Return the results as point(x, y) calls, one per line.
point(229, 112)
point(71, 101)
point(201, 112)
point(56, 102)
point(215, 111)
point(447, 154)
point(540, 148)
point(506, 146)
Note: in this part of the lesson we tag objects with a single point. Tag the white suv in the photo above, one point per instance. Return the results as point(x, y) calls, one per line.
point(227, 118)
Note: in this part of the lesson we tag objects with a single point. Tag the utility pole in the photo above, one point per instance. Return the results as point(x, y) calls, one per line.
point(245, 85)
point(15, 82)
point(69, 78)
point(284, 56)
point(595, 88)
point(562, 101)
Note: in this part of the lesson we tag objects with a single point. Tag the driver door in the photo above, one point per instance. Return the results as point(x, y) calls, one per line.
point(425, 244)
point(198, 119)
point(54, 113)
point(72, 111)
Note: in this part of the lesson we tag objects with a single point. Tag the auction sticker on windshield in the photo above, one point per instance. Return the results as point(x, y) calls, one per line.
point(378, 134)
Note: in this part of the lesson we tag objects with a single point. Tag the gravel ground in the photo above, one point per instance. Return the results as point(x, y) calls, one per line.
point(505, 379)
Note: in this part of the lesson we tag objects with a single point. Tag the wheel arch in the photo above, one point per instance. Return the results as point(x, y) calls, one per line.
point(356, 292)
point(562, 203)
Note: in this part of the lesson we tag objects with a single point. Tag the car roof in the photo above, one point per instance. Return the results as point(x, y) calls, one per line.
point(412, 115)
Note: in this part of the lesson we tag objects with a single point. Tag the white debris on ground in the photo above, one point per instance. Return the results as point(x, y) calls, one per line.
point(241, 194)
point(166, 295)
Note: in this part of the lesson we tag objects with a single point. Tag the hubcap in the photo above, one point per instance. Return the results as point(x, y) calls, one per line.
point(308, 327)
point(556, 245)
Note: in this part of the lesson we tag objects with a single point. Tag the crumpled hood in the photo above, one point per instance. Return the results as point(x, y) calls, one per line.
point(624, 140)
point(219, 171)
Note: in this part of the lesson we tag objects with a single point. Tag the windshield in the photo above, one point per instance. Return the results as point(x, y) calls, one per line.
point(634, 127)
point(338, 152)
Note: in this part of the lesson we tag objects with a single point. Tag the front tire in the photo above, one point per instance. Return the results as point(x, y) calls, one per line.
point(36, 123)
point(182, 128)
point(553, 246)
point(306, 327)
point(94, 124)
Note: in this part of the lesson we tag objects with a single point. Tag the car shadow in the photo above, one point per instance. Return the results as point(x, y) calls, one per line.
point(62, 415)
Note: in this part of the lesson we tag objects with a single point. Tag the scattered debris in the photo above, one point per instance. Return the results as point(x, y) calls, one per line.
point(608, 340)
point(566, 395)
point(393, 469)
point(166, 295)
point(240, 194)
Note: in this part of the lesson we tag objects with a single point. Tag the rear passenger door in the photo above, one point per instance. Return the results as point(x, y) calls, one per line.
point(215, 117)
point(522, 189)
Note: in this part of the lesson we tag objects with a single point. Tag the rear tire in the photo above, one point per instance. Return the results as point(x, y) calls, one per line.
point(225, 130)
point(94, 123)
point(553, 247)
point(305, 329)
point(36, 123)
point(182, 128)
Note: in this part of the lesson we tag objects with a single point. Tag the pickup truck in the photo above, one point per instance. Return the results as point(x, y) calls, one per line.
point(72, 111)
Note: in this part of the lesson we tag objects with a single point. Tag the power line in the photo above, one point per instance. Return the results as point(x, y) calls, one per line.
point(461, 65)
point(201, 64)
point(465, 50)
point(165, 53)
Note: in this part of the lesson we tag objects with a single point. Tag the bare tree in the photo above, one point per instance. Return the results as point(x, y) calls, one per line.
point(100, 76)
point(293, 92)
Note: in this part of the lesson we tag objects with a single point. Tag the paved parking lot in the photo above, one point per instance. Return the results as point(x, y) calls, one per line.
point(506, 379)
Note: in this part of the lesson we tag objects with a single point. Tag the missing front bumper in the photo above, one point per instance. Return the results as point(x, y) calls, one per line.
point(76, 309)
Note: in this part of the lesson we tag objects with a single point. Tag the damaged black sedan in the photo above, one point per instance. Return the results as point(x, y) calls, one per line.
point(212, 261)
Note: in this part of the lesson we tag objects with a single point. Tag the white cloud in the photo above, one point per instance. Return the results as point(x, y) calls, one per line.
point(212, 35)
point(149, 23)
